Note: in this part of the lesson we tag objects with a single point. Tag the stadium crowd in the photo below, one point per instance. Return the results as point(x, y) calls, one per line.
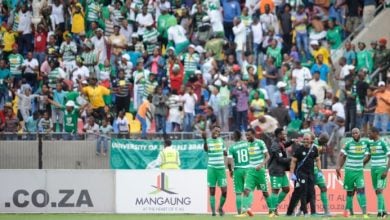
point(102, 66)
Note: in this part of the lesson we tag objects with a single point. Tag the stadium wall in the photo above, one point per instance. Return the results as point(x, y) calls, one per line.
point(137, 191)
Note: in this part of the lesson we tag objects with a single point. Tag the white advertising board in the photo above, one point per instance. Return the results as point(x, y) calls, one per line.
point(156, 191)
point(57, 191)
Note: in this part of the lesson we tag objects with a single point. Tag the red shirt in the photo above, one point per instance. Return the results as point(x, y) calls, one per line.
point(176, 81)
point(40, 40)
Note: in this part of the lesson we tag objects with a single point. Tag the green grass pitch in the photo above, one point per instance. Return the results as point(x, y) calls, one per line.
point(147, 217)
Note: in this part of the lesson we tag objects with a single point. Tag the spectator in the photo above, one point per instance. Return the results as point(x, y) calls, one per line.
point(78, 20)
point(368, 11)
point(31, 125)
point(364, 58)
point(175, 110)
point(9, 40)
point(15, 64)
point(11, 124)
point(118, 42)
point(353, 18)
point(239, 31)
point(268, 19)
point(299, 20)
point(308, 103)
point(25, 100)
point(40, 42)
point(271, 75)
point(241, 93)
point(231, 9)
point(91, 129)
point(318, 88)
point(141, 76)
point(370, 103)
point(189, 99)
point(24, 28)
point(266, 124)
point(68, 50)
point(177, 37)
point(122, 125)
point(105, 131)
point(300, 78)
point(143, 20)
point(4, 81)
point(160, 102)
point(320, 67)
point(286, 27)
point(350, 105)
point(257, 106)
point(317, 49)
point(190, 60)
point(349, 54)
point(381, 118)
point(143, 110)
point(281, 114)
point(95, 94)
point(334, 35)
point(121, 87)
point(45, 124)
point(382, 54)
point(100, 45)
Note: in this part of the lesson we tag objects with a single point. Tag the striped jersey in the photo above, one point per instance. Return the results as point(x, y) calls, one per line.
point(53, 76)
point(379, 151)
point(68, 51)
point(90, 58)
point(215, 153)
point(150, 38)
point(240, 154)
point(256, 149)
point(355, 152)
point(190, 62)
point(93, 11)
point(15, 62)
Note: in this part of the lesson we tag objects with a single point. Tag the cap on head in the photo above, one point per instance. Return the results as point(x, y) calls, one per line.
point(70, 103)
point(314, 43)
point(381, 83)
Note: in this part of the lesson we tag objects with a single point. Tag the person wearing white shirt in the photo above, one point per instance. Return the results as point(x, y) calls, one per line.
point(216, 20)
point(300, 78)
point(266, 124)
point(100, 45)
point(344, 72)
point(269, 20)
point(189, 100)
point(80, 73)
point(30, 69)
point(239, 31)
point(57, 15)
point(252, 5)
point(177, 35)
point(338, 108)
point(126, 30)
point(318, 88)
point(257, 32)
point(143, 20)
point(26, 38)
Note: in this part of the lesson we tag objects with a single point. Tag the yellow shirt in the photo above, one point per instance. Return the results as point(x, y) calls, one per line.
point(258, 107)
point(9, 39)
point(95, 95)
point(78, 23)
point(325, 54)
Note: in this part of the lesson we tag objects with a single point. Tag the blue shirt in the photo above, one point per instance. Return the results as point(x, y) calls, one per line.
point(4, 74)
point(31, 124)
point(350, 56)
point(323, 69)
point(231, 9)
point(59, 97)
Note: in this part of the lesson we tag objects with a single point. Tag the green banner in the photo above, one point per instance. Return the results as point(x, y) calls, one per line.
point(138, 154)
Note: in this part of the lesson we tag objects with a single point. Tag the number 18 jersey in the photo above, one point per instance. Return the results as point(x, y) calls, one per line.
point(240, 154)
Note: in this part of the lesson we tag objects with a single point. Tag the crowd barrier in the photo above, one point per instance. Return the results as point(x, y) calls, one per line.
point(138, 191)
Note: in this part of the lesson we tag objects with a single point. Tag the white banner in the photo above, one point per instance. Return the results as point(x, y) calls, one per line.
point(56, 191)
point(156, 191)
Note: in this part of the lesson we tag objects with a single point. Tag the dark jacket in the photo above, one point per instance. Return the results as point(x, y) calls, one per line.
point(279, 162)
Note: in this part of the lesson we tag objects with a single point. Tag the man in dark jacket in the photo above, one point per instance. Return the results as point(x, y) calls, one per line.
point(278, 164)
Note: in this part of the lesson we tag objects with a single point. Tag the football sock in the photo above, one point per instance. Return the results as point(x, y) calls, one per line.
point(362, 201)
point(381, 201)
point(212, 203)
point(281, 197)
point(324, 199)
point(222, 200)
point(239, 202)
point(348, 205)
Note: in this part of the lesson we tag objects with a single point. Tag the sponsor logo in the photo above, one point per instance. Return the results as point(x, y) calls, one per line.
point(162, 185)
point(40, 198)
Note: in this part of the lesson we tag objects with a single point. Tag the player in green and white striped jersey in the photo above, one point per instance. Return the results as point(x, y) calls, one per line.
point(380, 164)
point(238, 152)
point(258, 158)
point(216, 173)
point(353, 155)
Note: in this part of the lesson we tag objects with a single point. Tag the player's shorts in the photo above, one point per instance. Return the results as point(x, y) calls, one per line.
point(239, 176)
point(353, 179)
point(278, 182)
point(376, 177)
point(216, 176)
point(319, 180)
point(256, 179)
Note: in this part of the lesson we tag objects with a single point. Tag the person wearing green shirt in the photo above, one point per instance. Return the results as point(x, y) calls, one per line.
point(276, 52)
point(238, 152)
point(364, 58)
point(307, 103)
point(216, 174)
point(256, 177)
point(164, 21)
point(379, 153)
point(333, 35)
point(353, 156)
point(15, 61)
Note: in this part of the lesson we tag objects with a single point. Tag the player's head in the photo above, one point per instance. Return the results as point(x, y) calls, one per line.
point(308, 139)
point(323, 139)
point(250, 134)
point(280, 134)
point(356, 134)
point(237, 135)
point(216, 131)
point(373, 133)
